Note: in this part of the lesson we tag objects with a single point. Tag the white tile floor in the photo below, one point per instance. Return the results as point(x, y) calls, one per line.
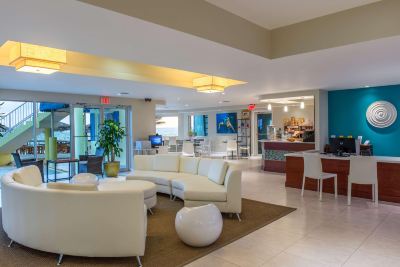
point(327, 233)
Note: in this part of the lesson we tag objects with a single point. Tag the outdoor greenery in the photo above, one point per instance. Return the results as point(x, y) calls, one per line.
point(111, 134)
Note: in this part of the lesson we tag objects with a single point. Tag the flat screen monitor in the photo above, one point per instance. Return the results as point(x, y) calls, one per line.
point(346, 145)
point(155, 140)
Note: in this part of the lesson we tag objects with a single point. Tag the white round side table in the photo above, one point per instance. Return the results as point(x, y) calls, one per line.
point(199, 226)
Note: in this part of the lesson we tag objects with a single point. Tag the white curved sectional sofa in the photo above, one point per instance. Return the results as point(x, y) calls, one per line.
point(74, 220)
point(197, 181)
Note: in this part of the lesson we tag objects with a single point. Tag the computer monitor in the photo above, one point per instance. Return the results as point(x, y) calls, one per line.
point(346, 145)
point(155, 140)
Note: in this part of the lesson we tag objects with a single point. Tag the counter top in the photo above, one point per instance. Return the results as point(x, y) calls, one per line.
point(383, 159)
point(283, 141)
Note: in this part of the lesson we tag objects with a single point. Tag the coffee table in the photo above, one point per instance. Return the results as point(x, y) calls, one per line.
point(121, 184)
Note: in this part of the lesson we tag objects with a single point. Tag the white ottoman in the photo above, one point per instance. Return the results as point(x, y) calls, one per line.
point(84, 178)
point(199, 226)
point(119, 184)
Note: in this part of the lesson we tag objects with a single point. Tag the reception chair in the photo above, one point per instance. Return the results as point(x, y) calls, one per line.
point(363, 170)
point(313, 170)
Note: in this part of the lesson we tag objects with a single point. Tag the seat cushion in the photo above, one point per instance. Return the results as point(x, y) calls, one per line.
point(199, 188)
point(76, 187)
point(157, 177)
point(166, 163)
point(217, 171)
point(29, 175)
point(189, 165)
point(143, 162)
point(204, 166)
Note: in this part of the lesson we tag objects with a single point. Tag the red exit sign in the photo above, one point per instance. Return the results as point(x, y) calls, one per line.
point(105, 100)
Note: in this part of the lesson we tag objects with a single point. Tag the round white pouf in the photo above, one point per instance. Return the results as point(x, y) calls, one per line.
point(84, 178)
point(199, 226)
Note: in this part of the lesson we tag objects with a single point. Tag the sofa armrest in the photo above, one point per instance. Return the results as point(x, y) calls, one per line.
point(233, 186)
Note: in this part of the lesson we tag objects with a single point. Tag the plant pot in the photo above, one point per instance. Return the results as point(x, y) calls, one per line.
point(111, 168)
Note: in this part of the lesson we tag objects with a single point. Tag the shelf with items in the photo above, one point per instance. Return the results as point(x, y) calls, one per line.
point(244, 137)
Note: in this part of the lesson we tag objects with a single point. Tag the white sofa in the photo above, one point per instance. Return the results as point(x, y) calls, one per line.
point(197, 181)
point(73, 220)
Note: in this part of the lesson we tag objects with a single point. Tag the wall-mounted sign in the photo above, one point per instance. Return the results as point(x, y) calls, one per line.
point(105, 100)
point(251, 107)
point(381, 114)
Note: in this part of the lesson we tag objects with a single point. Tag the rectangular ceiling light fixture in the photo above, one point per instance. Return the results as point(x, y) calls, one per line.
point(210, 84)
point(37, 59)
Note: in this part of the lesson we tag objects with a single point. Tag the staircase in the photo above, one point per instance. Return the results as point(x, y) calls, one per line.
point(19, 124)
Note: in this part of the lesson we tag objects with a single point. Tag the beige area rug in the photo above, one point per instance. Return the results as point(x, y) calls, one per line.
point(163, 247)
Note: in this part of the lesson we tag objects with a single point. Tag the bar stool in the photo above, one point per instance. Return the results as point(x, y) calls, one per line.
point(313, 170)
point(363, 170)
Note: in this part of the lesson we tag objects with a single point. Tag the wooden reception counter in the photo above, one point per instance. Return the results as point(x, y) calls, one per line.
point(273, 153)
point(388, 176)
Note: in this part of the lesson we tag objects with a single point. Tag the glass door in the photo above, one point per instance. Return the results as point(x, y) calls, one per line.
point(87, 122)
point(120, 114)
point(263, 120)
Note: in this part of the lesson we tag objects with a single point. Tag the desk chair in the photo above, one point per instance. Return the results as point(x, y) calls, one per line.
point(313, 170)
point(363, 170)
point(188, 149)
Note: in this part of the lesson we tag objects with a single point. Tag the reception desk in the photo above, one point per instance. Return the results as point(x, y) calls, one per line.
point(273, 153)
point(388, 176)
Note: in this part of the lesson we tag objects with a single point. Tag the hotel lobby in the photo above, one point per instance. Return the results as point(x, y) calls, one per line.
point(200, 133)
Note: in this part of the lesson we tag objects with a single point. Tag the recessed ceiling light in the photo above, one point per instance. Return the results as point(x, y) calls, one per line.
point(223, 93)
point(219, 102)
point(186, 105)
point(123, 93)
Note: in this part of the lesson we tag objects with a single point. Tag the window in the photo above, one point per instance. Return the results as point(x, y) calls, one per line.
point(167, 126)
point(199, 125)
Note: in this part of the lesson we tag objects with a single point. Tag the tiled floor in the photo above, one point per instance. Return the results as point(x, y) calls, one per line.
point(327, 233)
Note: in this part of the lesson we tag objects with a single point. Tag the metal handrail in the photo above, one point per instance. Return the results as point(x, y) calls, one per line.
point(17, 116)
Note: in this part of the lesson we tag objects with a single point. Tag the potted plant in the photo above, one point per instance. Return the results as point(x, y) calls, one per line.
point(111, 134)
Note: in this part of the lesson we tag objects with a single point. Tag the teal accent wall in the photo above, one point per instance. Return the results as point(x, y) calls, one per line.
point(347, 110)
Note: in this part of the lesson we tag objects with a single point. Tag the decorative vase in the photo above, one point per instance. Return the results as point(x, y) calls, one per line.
point(111, 169)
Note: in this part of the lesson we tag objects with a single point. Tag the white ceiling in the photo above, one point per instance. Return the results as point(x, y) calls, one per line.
point(93, 30)
point(273, 14)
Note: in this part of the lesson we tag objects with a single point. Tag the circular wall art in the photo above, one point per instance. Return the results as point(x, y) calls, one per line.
point(381, 114)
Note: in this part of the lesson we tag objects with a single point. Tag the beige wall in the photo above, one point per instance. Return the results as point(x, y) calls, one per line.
point(196, 17)
point(199, 18)
point(360, 24)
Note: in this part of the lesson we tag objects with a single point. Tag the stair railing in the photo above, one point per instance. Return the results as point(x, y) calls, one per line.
point(17, 116)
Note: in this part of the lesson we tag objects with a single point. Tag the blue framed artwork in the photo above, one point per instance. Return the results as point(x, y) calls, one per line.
point(226, 123)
